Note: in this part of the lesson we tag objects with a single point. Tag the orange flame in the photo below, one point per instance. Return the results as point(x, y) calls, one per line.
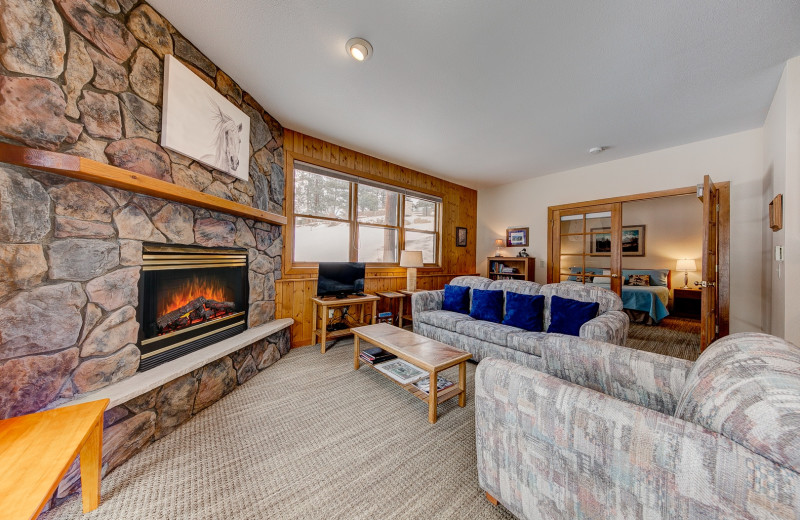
point(191, 289)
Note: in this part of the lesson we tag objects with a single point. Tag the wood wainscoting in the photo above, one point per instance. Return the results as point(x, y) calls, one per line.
point(293, 296)
point(459, 209)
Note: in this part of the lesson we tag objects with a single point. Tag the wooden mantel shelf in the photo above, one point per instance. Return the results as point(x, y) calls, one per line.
point(93, 171)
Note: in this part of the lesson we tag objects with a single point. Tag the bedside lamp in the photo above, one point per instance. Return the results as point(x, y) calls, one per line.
point(499, 243)
point(411, 260)
point(686, 265)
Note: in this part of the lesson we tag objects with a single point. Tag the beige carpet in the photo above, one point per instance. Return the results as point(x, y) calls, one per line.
point(307, 438)
point(677, 337)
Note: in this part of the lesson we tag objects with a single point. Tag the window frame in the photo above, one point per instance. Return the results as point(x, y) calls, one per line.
point(297, 267)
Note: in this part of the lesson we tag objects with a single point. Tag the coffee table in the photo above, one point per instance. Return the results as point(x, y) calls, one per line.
point(425, 353)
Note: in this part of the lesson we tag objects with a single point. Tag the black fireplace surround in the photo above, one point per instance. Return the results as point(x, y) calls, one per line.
point(189, 297)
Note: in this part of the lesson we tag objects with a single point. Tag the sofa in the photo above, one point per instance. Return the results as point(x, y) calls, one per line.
point(487, 339)
point(607, 432)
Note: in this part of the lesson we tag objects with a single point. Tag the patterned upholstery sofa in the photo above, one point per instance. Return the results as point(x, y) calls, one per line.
point(606, 432)
point(484, 339)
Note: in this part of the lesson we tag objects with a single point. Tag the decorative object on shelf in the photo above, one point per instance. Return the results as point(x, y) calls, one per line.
point(199, 122)
point(517, 237)
point(511, 268)
point(411, 260)
point(523, 253)
point(776, 213)
point(686, 265)
point(632, 241)
point(499, 243)
point(461, 237)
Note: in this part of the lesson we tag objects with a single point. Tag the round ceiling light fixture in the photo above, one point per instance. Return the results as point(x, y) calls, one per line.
point(598, 149)
point(359, 48)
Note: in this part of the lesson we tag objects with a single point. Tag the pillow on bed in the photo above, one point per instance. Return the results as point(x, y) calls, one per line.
point(640, 280)
point(606, 278)
point(658, 277)
point(588, 273)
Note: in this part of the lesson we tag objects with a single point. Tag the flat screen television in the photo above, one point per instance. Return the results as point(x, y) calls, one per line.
point(340, 278)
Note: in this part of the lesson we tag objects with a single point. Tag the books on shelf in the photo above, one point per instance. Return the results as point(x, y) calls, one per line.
point(424, 384)
point(401, 371)
point(375, 355)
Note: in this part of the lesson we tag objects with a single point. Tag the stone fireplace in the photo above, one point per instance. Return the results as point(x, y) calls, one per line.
point(74, 255)
point(191, 297)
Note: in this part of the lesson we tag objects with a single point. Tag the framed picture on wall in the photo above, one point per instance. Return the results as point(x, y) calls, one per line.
point(517, 237)
point(461, 237)
point(632, 241)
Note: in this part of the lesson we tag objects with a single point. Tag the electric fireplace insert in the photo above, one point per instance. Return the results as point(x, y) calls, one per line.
point(190, 297)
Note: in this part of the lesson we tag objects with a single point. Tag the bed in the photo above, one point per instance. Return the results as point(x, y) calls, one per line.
point(643, 304)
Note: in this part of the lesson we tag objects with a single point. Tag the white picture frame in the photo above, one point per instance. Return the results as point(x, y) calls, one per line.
point(197, 121)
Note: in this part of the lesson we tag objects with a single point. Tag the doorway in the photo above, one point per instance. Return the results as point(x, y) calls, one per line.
point(665, 253)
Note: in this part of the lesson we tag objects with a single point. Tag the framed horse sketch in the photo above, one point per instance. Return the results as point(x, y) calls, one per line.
point(200, 123)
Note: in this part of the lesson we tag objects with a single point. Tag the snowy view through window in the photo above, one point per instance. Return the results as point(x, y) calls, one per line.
point(330, 213)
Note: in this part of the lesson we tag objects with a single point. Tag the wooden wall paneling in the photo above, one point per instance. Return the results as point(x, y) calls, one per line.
point(295, 294)
point(459, 208)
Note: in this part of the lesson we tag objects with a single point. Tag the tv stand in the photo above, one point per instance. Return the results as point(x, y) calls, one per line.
point(319, 316)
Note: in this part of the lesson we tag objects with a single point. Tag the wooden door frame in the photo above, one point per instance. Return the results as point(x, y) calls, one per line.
point(723, 230)
point(615, 258)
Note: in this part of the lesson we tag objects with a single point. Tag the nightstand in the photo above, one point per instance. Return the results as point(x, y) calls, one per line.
point(686, 303)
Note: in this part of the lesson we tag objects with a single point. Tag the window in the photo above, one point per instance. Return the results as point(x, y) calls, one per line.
point(340, 217)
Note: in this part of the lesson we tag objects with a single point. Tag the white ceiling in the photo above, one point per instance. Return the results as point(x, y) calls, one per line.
point(488, 92)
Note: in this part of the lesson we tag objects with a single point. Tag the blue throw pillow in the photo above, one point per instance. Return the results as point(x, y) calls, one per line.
point(487, 305)
point(456, 299)
point(567, 316)
point(524, 311)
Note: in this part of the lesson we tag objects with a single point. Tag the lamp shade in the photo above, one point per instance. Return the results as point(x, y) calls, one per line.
point(411, 259)
point(499, 242)
point(686, 264)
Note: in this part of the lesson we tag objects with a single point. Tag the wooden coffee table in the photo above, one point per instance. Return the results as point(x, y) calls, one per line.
point(428, 354)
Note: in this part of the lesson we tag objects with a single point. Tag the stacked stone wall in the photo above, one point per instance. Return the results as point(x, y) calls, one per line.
point(84, 77)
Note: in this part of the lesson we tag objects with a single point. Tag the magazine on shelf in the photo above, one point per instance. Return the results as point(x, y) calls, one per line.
point(375, 361)
point(424, 384)
point(401, 371)
point(376, 354)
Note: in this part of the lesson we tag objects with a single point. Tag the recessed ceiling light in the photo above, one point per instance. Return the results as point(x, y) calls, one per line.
point(598, 149)
point(359, 48)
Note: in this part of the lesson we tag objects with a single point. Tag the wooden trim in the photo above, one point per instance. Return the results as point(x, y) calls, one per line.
point(291, 266)
point(357, 173)
point(389, 276)
point(723, 230)
point(99, 173)
point(724, 257)
point(689, 190)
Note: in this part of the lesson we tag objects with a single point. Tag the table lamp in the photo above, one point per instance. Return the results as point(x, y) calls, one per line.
point(686, 265)
point(411, 260)
point(499, 243)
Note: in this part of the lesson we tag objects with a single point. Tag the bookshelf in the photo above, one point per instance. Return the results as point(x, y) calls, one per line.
point(524, 268)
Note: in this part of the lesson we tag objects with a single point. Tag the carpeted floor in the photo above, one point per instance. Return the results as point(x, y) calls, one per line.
point(307, 438)
point(678, 337)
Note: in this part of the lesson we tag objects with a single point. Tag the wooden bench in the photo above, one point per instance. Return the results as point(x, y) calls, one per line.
point(36, 450)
